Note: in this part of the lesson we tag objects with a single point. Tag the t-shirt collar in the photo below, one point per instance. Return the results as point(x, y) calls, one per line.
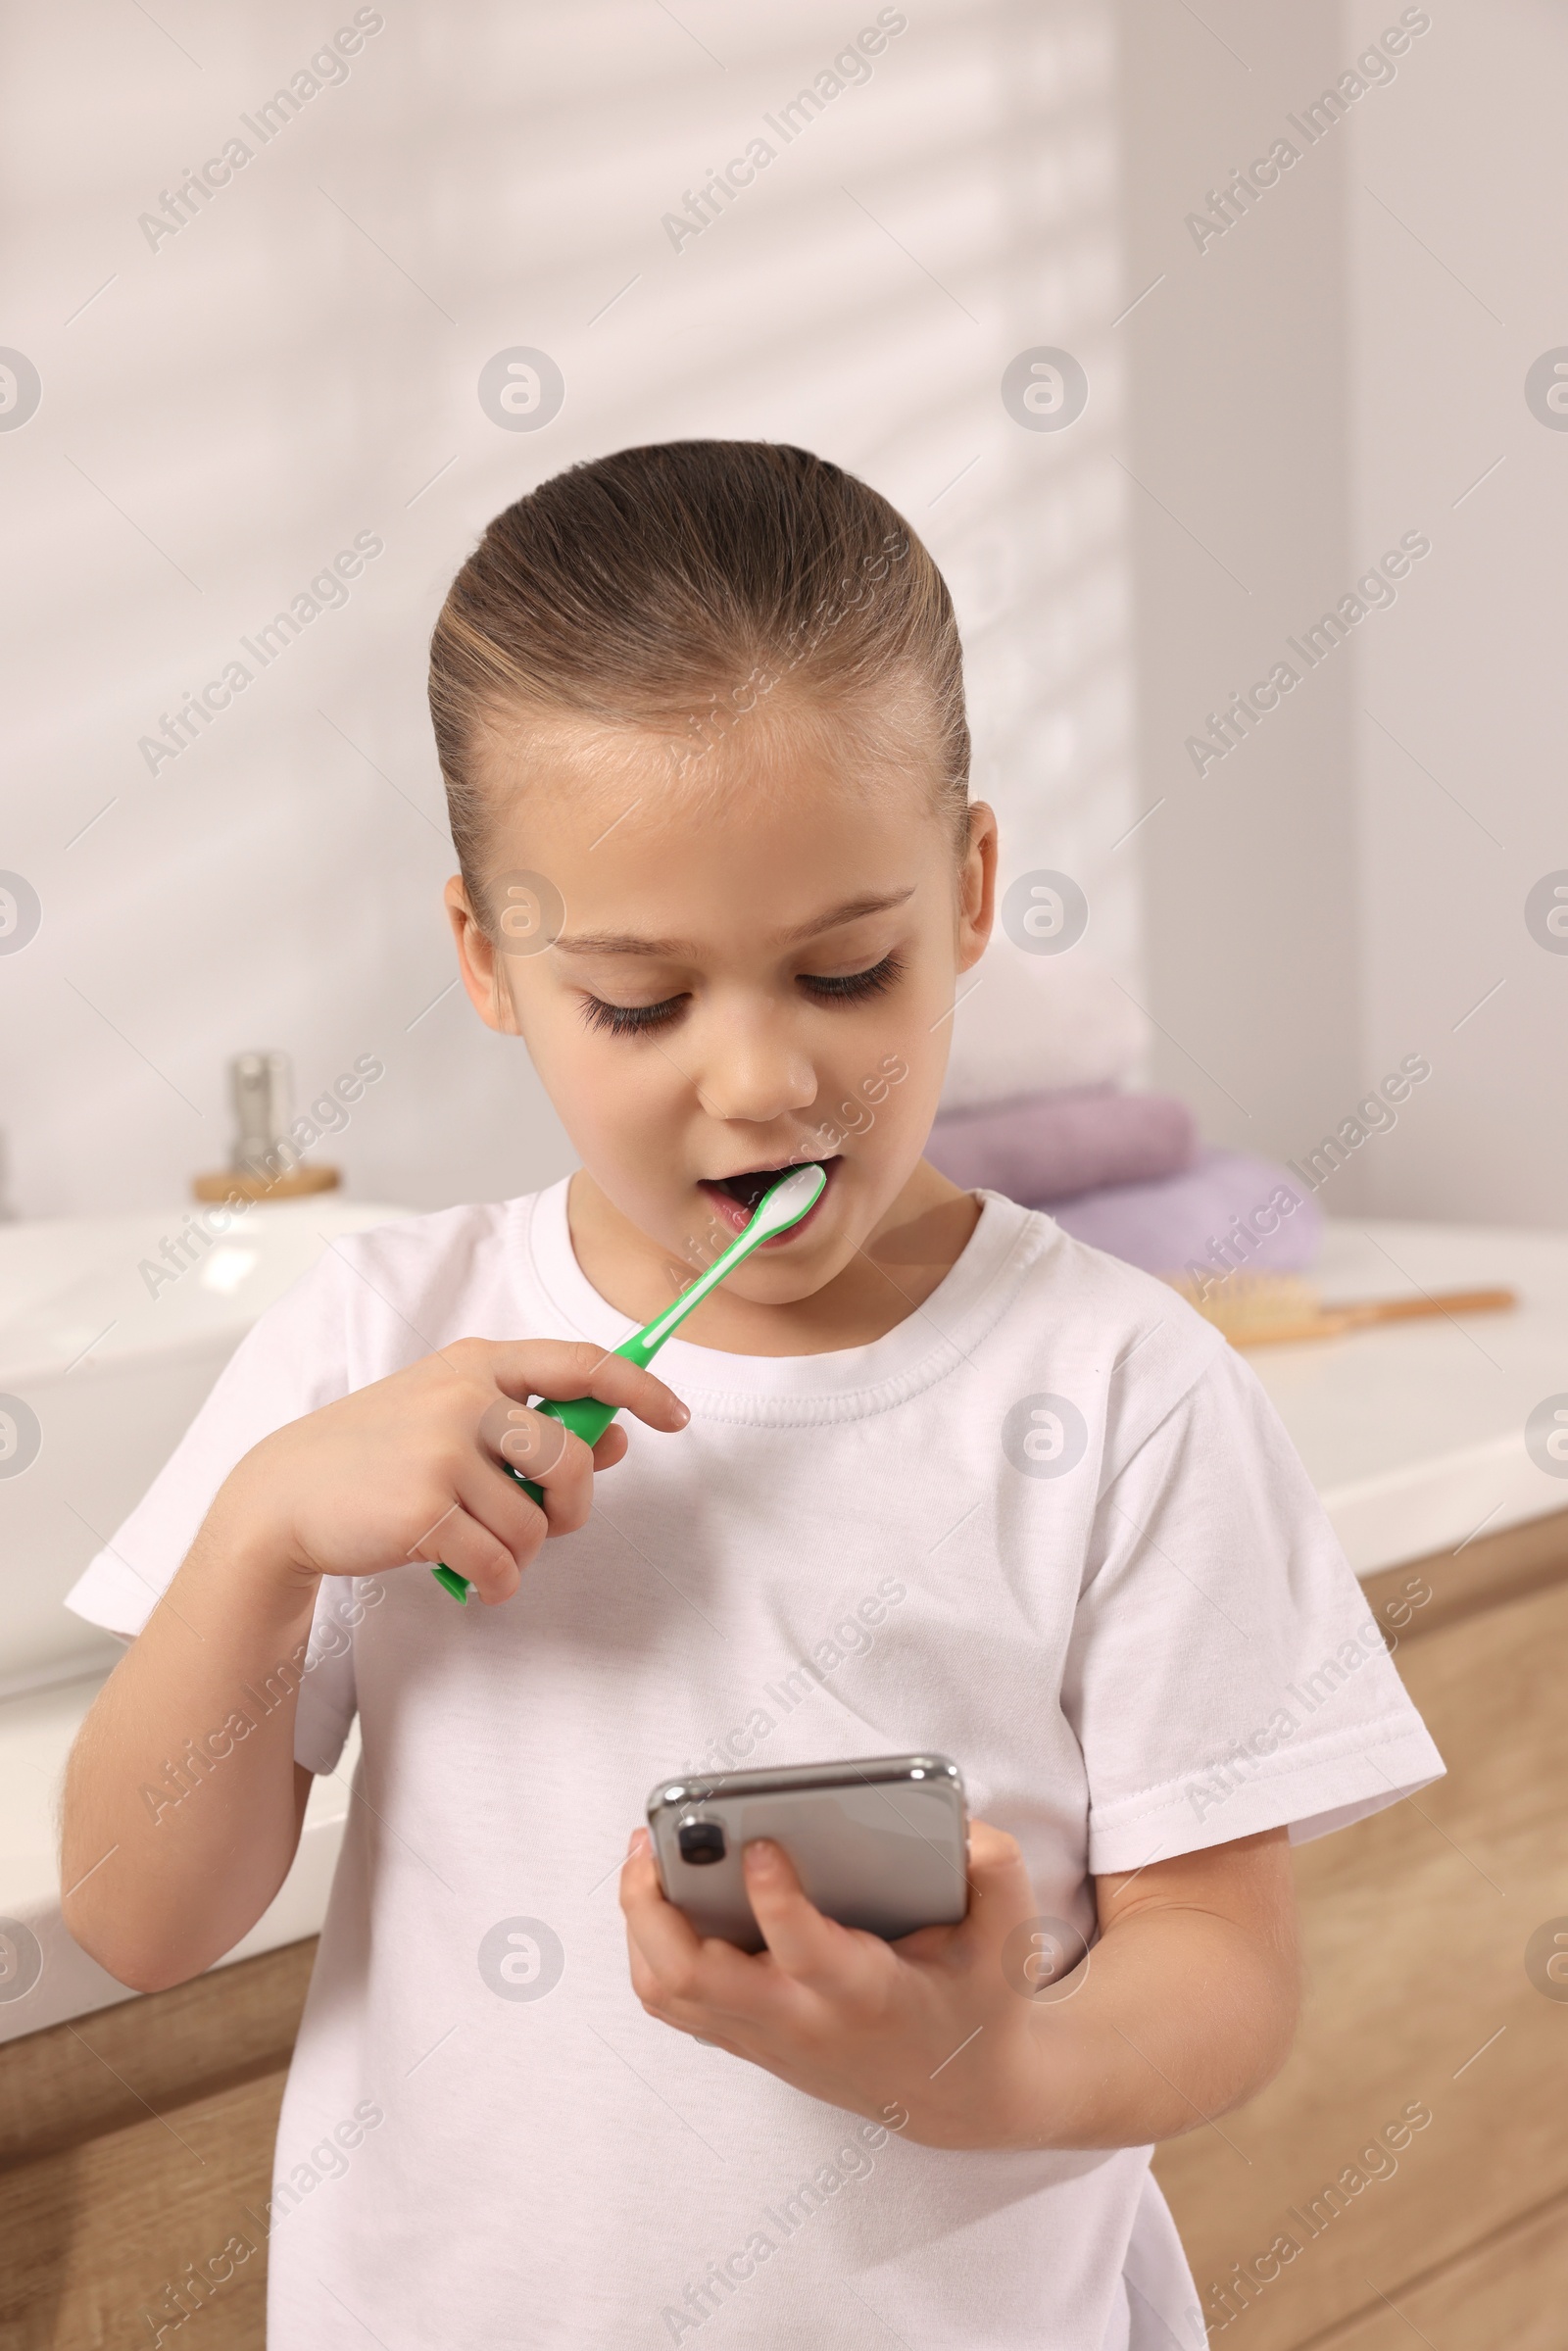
point(940, 1333)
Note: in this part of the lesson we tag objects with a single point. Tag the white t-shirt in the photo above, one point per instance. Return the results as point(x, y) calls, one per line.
point(1050, 1526)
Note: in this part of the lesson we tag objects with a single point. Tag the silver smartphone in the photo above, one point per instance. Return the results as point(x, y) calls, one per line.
point(879, 1843)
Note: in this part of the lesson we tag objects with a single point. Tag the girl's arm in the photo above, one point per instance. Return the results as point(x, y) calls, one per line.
point(177, 1833)
point(183, 1801)
point(1185, 2006)
point(1197, 1982)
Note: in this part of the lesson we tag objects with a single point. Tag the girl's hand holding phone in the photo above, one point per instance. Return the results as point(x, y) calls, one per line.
point(925, 2034)
point(409, 1467)
point(1184, 2007)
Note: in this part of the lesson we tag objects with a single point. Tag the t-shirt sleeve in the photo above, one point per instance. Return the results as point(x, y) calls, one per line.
point(292, 1360)
point(1225, 1674)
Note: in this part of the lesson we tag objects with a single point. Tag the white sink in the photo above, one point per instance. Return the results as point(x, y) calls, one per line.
point(109, 1376)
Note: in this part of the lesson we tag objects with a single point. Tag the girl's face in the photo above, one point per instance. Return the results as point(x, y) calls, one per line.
point(755, 968)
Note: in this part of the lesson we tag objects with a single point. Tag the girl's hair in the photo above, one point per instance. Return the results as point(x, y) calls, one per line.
point(678, 587)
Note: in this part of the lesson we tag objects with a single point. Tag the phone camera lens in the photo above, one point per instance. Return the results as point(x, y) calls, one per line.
point(700, 1843)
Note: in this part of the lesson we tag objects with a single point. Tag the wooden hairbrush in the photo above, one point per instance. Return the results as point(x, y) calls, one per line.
point(1255, 1309)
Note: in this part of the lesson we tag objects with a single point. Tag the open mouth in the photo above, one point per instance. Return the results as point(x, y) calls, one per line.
point(736, 1197)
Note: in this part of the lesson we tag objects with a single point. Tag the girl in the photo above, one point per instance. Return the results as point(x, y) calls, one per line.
point(924, 1474)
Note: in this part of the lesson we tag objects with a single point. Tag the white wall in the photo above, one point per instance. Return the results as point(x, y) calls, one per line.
point(1464, 688)
point(220, 416)
point(1240, 530)
point(1336, 370)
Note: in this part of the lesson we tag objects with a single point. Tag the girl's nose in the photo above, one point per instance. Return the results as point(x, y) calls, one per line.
point(752, 1069)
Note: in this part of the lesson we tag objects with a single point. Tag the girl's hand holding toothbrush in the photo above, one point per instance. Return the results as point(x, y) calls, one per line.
point(411, 1467)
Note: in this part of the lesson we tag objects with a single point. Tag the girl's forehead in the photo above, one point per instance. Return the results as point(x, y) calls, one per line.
point(780, 865)
point(570, 776)
point(651, 869)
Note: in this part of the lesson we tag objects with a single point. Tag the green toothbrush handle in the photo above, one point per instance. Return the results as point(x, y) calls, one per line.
point(586, 1417)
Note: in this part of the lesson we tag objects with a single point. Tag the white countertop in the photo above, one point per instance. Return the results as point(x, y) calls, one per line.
point(1413, 1436)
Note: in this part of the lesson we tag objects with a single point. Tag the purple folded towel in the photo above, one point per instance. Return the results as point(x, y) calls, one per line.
point(1049, 1147)
point(1229, 1211)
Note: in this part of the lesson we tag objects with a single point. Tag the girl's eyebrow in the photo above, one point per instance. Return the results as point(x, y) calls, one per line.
point(629, 942)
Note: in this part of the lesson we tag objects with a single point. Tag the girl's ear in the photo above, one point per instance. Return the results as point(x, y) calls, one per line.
point(482, 970)
point(977, 886)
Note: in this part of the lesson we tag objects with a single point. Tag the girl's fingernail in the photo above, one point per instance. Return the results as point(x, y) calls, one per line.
point(636, 1843)
point(682, 1413)
point(761, 1856)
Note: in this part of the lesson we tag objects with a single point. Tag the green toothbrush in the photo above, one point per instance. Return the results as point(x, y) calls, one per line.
point(783, 1206)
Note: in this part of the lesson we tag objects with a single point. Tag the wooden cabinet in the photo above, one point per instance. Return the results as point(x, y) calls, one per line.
point(1416, 1924)
point(137, 2151)
point(136, 2144)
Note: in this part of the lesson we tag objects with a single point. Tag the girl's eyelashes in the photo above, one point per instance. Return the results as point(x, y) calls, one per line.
point(855, 986)
point(641, 1020)
point(630, 1020)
